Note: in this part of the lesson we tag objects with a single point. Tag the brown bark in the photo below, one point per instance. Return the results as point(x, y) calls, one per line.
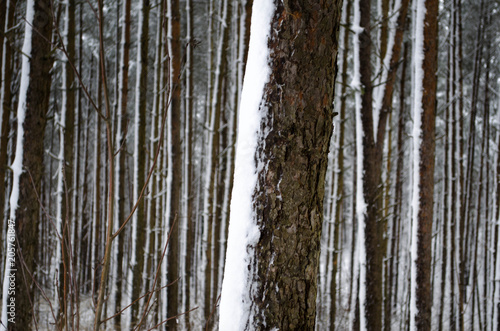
point(27, 212)
point(289, 201)
point(174, 253)
point(372, 166)
point(396, 224)
point(372, 159)
point(426, 168)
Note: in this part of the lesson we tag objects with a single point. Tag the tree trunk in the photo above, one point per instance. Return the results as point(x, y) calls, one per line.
point(424, 145)
point(6, 104)
point(176, 188)
point(28, 164)
point(121, 143)
point(139, 225)
point(339, 194)
point(66, 159)
point(287, 199)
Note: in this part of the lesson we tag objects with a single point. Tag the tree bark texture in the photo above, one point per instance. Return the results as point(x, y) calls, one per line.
point(426, 183)
point(27, 212)
point(288, 201)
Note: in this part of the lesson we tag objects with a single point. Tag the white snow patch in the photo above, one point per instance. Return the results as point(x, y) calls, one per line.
point(243, 230)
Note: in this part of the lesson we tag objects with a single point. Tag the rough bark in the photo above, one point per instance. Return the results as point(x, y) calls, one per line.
point(426, 168)
point(289, 200)
point(27, 212)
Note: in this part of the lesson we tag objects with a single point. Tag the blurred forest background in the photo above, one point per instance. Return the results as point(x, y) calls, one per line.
point(127, 196)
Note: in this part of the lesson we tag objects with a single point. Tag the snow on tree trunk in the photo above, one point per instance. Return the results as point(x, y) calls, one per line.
point(17, 165)
point(243, 230)
point(285, 126)
point(33, 104)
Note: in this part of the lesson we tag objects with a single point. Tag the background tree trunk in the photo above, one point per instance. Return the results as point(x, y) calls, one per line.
point(424, 145)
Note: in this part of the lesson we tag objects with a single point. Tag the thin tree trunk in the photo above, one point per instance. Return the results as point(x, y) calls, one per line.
point(396, 224)
point(66, 159)
point(174, 34)
point(339, 194)
point(189, 168)
point(6, 104)
point(139, 218)
point(446, 195)
point(121, 143)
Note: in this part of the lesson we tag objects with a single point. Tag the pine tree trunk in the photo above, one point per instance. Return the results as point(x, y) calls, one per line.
point(421, 285)
point(140, 157)
point(175, 207)
point(6, 104)
point(65, 273)
point(121, 143)
point(339, 194)
point(33, 107)
point(288, 197)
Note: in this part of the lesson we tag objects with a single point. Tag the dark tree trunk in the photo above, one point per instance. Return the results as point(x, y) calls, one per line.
point(426, 168)
point(396, 224)
point(372, 166)
point(6, 71)
point(174, 245)
point(288, 202)
point(27, 211)
point(121, 180)
point(141, 94)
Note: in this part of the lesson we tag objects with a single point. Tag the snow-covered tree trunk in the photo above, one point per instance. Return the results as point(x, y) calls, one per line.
point(285, 126)
point(5, 106)
point(27, 167)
